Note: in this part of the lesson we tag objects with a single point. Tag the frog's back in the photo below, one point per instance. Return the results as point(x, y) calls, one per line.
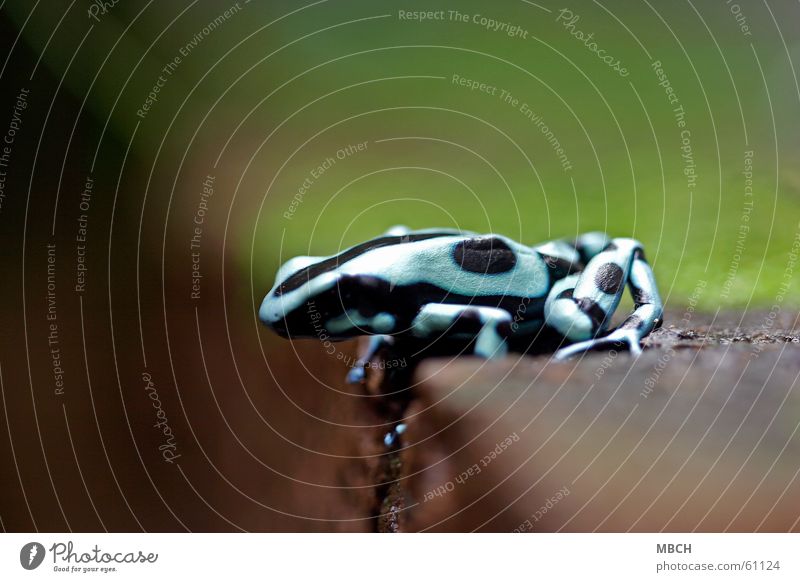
point(450, 268)
point(400, 274)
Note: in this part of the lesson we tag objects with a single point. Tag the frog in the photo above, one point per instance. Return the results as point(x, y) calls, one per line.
point(439, 283)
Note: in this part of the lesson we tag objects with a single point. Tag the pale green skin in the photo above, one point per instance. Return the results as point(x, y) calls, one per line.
point(577, 305)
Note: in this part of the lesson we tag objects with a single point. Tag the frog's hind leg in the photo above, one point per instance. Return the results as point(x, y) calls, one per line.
point(590, 244)
point(565, 256)
point(579, 250)
point(580, 307)
point(489, 325)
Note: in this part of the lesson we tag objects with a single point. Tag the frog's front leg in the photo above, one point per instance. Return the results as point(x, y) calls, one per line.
point(581, 306)
point(490, 325)
point(376, 343)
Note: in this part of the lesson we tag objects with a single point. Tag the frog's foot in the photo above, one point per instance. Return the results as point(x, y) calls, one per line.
point(358, 373)
point(620, 338)
point(391, 438)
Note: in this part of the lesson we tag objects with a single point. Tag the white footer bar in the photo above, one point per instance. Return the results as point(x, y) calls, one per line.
point(371, 557)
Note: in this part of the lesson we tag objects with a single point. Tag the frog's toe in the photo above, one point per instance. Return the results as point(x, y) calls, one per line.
point(621, 338)
point(356, 374)
point(627, 337)
point(575, 349)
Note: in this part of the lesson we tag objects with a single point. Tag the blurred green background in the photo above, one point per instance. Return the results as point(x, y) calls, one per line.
point(278, 87)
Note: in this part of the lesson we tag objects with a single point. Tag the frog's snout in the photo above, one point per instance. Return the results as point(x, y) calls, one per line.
point(271, 315)
point(299, 308)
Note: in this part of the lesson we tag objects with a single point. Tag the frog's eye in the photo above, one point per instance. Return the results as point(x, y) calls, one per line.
point(291, 266)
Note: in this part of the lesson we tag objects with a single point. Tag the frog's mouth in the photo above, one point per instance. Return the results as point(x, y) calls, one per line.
point(296, 323)
point(280, 328)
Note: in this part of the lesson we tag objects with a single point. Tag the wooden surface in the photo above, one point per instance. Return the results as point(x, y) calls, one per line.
point(712, 444)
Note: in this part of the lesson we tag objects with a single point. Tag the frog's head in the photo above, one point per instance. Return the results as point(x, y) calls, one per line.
point(308, 293)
